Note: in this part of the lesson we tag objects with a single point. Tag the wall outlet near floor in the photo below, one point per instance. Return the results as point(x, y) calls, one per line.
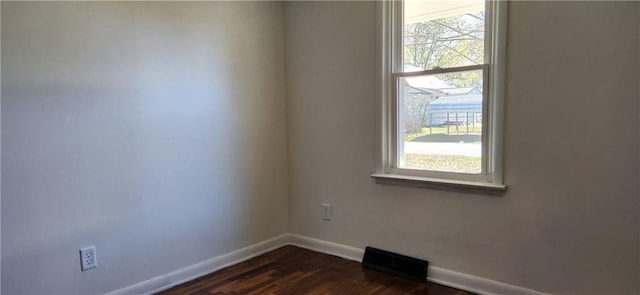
point(88, 258)
point(326, 211)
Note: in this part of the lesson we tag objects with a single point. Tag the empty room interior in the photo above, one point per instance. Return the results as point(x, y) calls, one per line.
point(147, 144)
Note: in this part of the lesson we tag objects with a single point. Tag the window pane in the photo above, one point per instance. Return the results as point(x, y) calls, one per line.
point(443, 34)
point(440, 122)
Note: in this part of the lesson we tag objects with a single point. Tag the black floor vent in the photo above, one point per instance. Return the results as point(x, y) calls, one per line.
point(395, 264)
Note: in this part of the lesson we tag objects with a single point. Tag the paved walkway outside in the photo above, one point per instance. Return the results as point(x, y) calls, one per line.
point(443, 148)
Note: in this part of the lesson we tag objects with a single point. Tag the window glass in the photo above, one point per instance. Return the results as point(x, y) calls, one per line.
point(440, 124)
point(443, 34)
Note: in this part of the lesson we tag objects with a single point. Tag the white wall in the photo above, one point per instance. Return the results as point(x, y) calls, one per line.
point(154, 131)
point(569, 221)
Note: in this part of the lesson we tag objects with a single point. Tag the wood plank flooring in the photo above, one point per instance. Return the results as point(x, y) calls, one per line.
point(293, 270)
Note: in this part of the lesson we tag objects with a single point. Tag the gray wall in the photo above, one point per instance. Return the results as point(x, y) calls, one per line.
point(154, 131)
point(569, 221)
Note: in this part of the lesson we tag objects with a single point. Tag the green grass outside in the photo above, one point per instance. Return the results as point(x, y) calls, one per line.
point(449, 163)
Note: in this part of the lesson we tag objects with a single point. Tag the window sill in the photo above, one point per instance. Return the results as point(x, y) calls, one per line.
point(440, 184)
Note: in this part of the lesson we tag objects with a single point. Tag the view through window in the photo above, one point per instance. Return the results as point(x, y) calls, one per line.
point(440, 109)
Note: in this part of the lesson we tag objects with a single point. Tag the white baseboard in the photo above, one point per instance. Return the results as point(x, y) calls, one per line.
point(436, 274)
point(188, 273)
point(475, 284)
point(346, 252)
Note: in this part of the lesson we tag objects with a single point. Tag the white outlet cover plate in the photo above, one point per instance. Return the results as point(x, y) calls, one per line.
point(88, 258)
point(326, 211)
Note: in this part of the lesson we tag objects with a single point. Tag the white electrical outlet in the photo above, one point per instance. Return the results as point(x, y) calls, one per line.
point(88, 258)
point(326, 211)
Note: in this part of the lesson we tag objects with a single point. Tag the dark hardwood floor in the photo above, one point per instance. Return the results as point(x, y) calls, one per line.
point(293, 270)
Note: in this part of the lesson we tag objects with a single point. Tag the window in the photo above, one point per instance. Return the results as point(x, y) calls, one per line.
point(442, 72)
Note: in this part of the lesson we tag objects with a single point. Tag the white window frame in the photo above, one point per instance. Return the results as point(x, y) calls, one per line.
point(390, 34)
